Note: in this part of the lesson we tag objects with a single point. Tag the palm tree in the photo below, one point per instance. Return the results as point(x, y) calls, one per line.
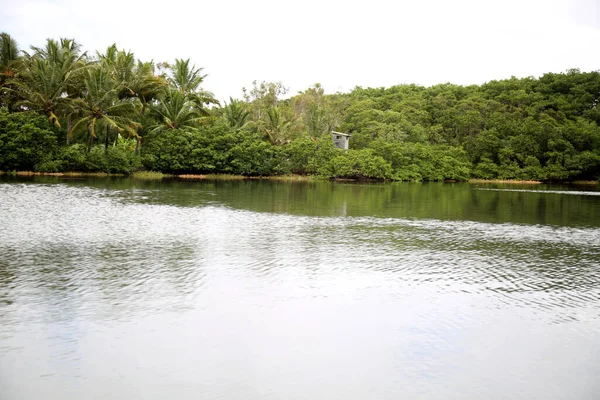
point(236, 114)
point(276, 127)
point(48, 81)
point(119, 64)
point(175, 111)
point(135, 80)
point(9, 55)
point(145, 84)
point(9, 52)
point(100, 105)
point(187, 79)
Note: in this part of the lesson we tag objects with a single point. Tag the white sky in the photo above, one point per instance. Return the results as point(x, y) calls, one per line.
point(340, 44)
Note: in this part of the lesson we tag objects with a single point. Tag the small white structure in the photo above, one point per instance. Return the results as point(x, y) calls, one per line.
point(340, 140)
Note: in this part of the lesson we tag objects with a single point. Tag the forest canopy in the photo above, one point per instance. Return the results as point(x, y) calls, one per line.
point(62, 109)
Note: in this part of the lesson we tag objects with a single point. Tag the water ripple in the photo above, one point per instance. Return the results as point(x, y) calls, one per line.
point(248, 299)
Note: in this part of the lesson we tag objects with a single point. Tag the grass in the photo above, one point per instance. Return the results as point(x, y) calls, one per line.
point(149, 175)
point(230, 177)
point(211, 177)
point(287, 178)
point(585, 182)
point(510, 181)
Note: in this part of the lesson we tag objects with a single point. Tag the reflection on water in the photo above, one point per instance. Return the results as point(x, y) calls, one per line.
point(266, 290)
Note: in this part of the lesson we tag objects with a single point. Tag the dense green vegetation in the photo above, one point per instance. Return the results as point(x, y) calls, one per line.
point(65, 110)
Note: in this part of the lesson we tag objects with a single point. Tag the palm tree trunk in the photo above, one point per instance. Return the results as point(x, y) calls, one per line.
point(106, 140)
point(69, 128)
point(138, 139)
point(91, 137)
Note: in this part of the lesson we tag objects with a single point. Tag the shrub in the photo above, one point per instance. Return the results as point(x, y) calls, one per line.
point(26, 139)
point(356, 164)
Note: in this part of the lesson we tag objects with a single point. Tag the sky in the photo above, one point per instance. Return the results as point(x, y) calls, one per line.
point(339, 44)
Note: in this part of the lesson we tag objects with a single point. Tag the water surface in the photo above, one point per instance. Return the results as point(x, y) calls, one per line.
point(264, 290)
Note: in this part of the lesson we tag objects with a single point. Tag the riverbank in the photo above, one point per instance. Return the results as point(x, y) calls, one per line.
point(151, 175)
point(524, 182)
point(68, 174)
point(509, 181)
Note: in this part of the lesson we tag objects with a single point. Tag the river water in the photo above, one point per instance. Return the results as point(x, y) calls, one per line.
point(116, 288)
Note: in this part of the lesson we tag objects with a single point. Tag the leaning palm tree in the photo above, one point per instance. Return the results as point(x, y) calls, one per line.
point(100, 106)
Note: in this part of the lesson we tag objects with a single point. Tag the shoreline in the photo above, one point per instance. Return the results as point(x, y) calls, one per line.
point(151, 175)
point(524, 182)
point(509, 181)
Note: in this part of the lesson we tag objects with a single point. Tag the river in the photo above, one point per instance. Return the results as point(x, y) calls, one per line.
point(117, 288)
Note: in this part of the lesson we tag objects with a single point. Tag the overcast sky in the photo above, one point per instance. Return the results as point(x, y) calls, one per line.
point(340, 44)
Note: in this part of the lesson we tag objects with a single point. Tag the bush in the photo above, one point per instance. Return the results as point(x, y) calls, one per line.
point(298, 155)
point(418, 161)
point(95, 160)
point(72, 158)
point(486, 169)
point(121, 159)
point(169, 151)
point(49, 166)
point(254, 157)
point(356, 164)
point(26, 140)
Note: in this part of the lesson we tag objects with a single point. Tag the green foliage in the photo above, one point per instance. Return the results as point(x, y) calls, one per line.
point(48, 77)
point(9, 60)
point(73, 158)
point(416, 161)
point(100, 106)
point(357, 164)
point(95, 160)
point(486, 169)
point(542, 129)
point(176, 111)
point(254, 157)
point(236, 114)
point(121, 159)
point(117, 159)
point(26, 141)
point(213, 149)
point(299, 154)
point(168, 151)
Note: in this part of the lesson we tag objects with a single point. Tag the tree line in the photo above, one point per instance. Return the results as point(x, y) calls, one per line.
point(62, 109)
